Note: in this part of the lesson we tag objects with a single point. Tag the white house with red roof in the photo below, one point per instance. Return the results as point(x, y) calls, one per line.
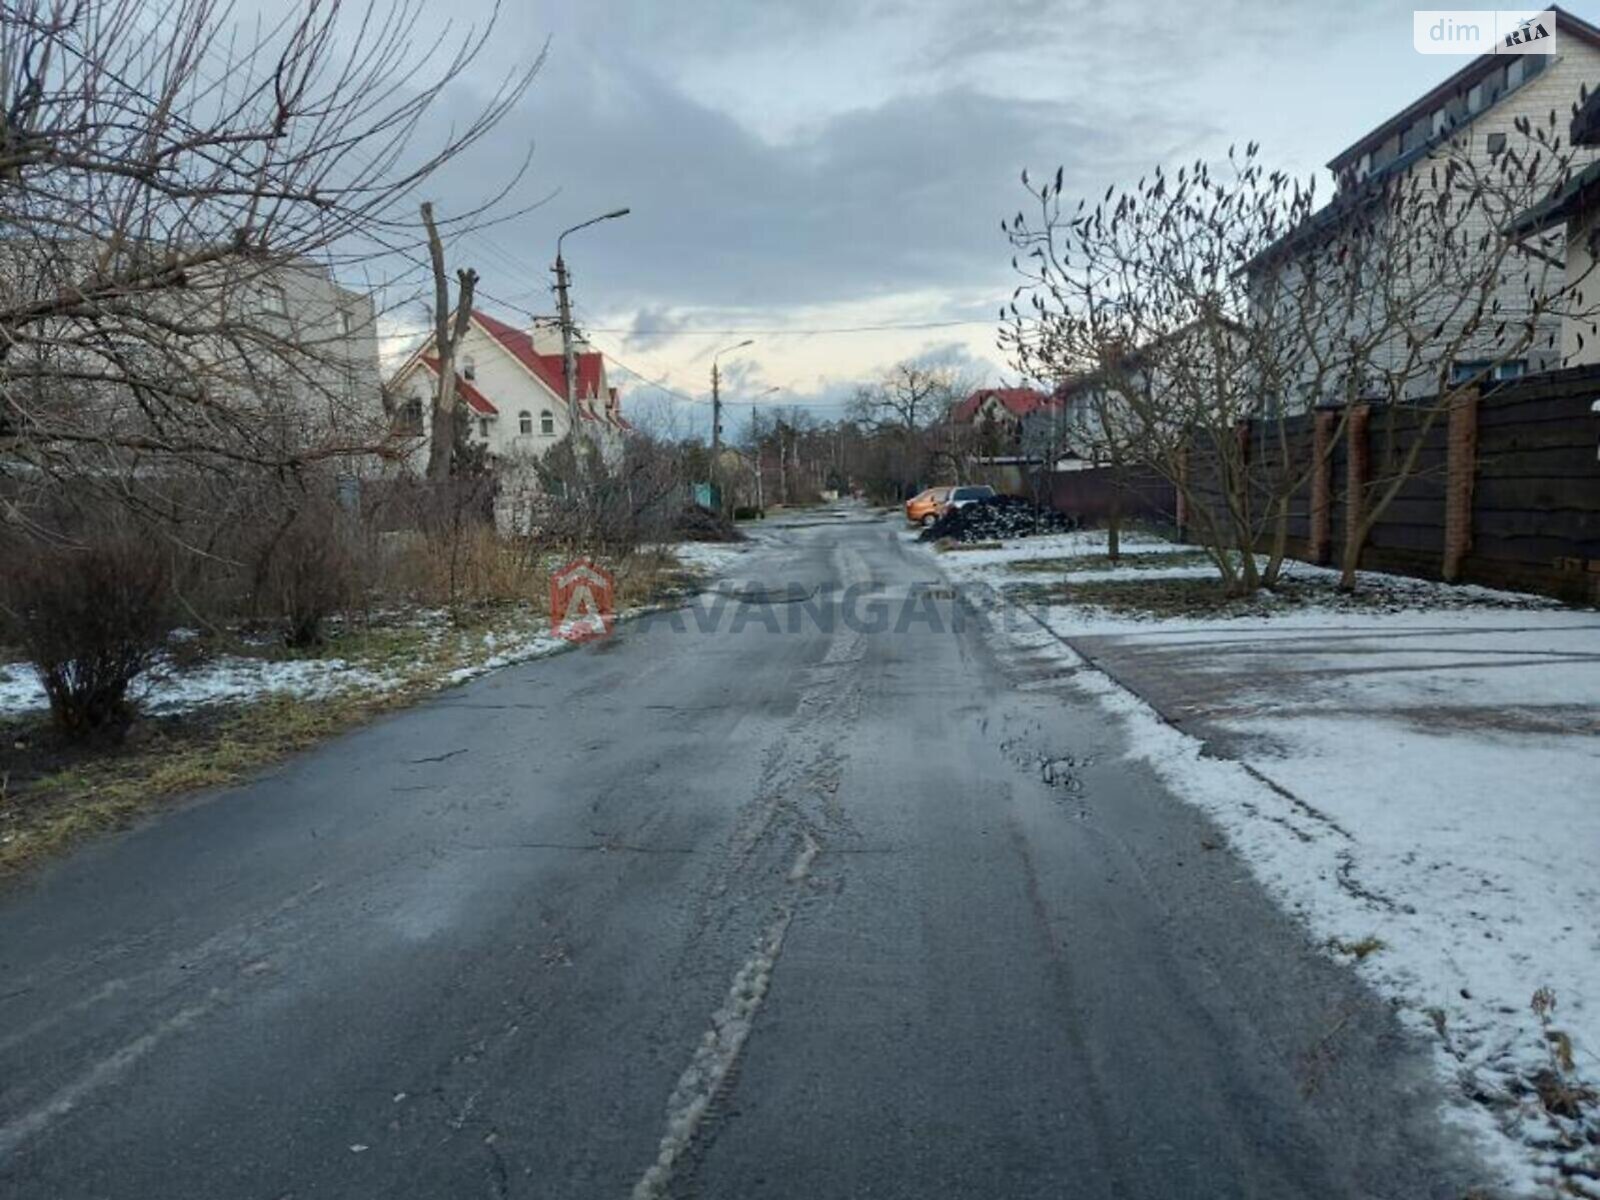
point(1002, 407)
point(512, 382)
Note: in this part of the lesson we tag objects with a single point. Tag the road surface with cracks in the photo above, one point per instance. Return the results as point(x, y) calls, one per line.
point(739, 902)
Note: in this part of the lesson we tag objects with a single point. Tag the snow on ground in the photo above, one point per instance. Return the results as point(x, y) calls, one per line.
point(1425, 777)
point(710, 558)
point(1053, 545)
point(238, 678)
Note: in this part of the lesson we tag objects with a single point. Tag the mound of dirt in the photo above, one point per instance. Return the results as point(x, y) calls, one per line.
point(997, 518)
point(698, 524)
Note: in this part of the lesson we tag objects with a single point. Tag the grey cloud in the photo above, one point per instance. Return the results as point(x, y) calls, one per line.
point(904, 195)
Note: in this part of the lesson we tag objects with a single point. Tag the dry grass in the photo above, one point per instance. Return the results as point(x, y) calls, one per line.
point(1360, 949)
point(1159, 560)
point(108, 790)
point(68, 793)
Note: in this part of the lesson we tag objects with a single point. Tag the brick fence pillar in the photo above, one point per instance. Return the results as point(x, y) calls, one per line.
point(1358, 469)
point(1321, 547)
point(1461, 468)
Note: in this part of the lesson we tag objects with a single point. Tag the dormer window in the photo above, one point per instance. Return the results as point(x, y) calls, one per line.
point(469, 368)
point(1516, 72)
point(1475, 98)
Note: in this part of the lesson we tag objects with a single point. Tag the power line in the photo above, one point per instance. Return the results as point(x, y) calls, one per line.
point(790, 330)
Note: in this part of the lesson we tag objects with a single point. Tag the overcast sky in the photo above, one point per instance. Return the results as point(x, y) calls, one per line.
point(824, 164)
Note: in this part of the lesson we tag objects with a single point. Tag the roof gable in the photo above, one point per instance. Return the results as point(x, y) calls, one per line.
point(476, 400)
point(596, 402)
point(1019, 402)
point(548, 369)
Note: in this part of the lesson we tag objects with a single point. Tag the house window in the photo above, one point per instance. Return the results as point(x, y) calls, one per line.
point(273, 300)
point(1441, 121)
point(1497, 143)
point(547, 422)
point(411, 416)
point(483, 427)
point(525, 421)
point(1516, 70)
point(1475, 97)
point(469, 367)
point(1461, 370)
point(345, 323)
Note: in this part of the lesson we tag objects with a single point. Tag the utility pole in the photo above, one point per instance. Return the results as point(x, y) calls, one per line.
point(716, 403)
point(716, 411)
point(569, 352)
point(755, 438)
point(755, 448)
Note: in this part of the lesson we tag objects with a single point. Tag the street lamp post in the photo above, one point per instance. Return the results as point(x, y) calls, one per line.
point(755, 438)
point(716, 403)
point(569, 356)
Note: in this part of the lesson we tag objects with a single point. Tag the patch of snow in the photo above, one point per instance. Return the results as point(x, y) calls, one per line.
point(508, 653)
point(1437, 763)
point(165, 689)
point(711, 558)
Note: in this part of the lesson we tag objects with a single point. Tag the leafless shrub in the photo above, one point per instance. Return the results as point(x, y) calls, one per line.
point(307, 570)
point(91, 613)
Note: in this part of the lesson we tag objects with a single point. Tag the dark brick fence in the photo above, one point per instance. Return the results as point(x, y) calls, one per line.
point(1141, 495)
point(1506, 490)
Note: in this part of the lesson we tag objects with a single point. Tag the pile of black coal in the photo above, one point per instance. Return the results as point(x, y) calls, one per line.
point(996, 519)
point(698, 524)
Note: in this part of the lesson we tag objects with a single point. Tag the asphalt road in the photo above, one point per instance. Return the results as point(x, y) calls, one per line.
point(770, 909)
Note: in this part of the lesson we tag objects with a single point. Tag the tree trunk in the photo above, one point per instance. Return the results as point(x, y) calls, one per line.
point(1280, 542)
point(1114, 517)
point(447, 335)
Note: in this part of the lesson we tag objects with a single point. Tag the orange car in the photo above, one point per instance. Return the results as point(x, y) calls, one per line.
point(923, 508)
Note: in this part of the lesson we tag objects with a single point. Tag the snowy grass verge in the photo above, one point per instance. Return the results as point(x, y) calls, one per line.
point(1410, 775)
point(210, 717)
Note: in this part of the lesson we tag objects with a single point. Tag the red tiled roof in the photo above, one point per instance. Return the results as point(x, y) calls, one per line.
point(547, 368)
point(476, 400)
point(1019, 402)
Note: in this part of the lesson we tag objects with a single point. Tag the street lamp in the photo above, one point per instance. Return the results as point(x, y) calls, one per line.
point(716, 395)
point(755, 438)
point(569, 358)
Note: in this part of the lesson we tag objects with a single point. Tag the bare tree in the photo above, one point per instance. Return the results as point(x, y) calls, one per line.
point(909, 398)
point(1214, 305)
point(159, 170)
